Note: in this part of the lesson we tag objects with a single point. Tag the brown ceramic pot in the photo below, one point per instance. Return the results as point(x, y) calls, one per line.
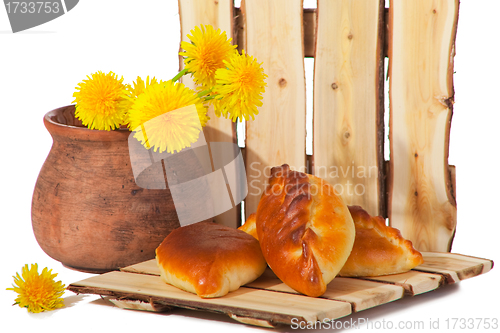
point(87, 210)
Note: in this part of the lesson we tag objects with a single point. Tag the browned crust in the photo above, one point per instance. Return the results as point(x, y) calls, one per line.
point(250, 227)
point(362, 219)
point(302, 223)
point(202, 254)
point(378, 249)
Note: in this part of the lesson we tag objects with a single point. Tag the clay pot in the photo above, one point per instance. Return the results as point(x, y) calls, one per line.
point(87, 210)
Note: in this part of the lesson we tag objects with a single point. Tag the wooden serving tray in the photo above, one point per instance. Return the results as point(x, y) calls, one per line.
point(268, 302)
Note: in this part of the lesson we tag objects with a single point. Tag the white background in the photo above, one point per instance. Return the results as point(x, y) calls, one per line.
point(40, 68)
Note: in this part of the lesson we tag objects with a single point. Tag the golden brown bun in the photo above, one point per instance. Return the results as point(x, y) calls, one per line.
point(249, 226)
point(209, 259)
point(378, 249)
point(305, 230)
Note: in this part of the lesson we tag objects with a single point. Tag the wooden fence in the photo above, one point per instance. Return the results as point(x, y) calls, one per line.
point(349, 40)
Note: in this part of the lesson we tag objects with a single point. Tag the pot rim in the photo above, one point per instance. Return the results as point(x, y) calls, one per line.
point(57, 128)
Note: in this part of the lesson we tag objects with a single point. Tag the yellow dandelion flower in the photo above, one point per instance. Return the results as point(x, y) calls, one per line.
point(37, 292)
point(161, 120)
point(101, 101)
point(140, 86)
point(206, 53)
point(239, 87)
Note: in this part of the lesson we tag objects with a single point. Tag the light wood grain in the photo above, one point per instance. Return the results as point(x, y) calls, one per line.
point(421, 51)
point(440, 257)
point(219, 14)
point(413, 282)
point(267, 301)
point(146, 267)
point(273, 31)
point(309, 17)
point(362, 294)
point(244, 302)
point(454, 267)
point(348, 100)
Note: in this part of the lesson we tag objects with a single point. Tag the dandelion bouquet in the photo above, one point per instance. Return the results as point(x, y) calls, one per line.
point(232, 82)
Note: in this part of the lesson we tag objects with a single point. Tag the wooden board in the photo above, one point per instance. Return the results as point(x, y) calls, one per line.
point(246, 302)
point(309, 18)
point(268, 302)
point(362, 294)
point(277, 135)
point(454, 267)
point(413, 282)
point(219, 14)
point(348, 100)
point(421, 203)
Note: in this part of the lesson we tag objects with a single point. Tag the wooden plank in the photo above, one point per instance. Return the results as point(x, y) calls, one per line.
point(219, 14)
point(348, 100)
point(146, 267)
point(454, 267)
point(150, 306)
point(133, 304)
point(244, 302)
point(273, 34)
point(309, 17)
point(413, 282)
point(421, 51)
point(267, 301)
point(362, 294)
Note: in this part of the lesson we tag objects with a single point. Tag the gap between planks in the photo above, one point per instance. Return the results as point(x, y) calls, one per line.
point(361, 293)
point(452, 266)
point(244, 302)
point(267, 301)
point(366, 292)
point(268, 281)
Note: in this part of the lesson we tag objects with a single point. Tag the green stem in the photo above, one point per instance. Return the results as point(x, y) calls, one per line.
point(210, 97)
point(205, 92)
point(180, 74)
